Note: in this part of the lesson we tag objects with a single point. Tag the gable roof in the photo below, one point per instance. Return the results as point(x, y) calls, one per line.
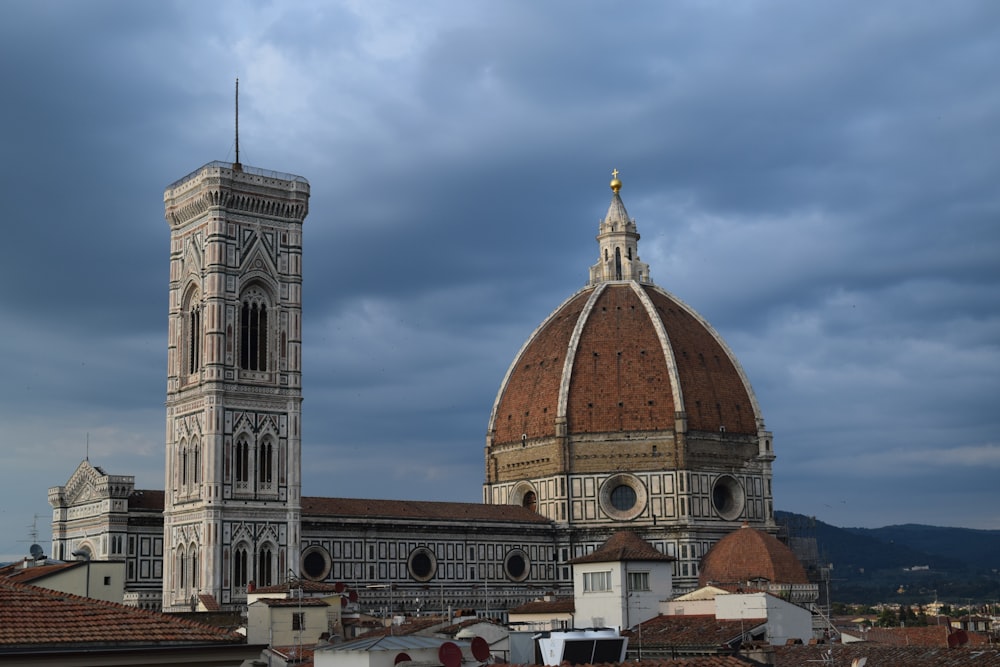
point(411, 626)
point(37, 618)
point(387, 642)
point(18, 572)
point(623, 546)
point(418, 509)
point(929, 635)
point(209, 602)
point(146, 499)
point(695, 630)
point(562, 605)
point(306, 585)
point(294, 603)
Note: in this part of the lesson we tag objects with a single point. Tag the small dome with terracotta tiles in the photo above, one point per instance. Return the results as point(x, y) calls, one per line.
point(748, 555)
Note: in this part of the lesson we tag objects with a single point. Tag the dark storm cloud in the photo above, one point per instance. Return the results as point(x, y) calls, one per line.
point(817, 179)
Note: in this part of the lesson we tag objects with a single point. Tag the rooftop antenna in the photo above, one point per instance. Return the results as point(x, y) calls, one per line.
point(236, 165)
point(36, 550)
point(87, 458)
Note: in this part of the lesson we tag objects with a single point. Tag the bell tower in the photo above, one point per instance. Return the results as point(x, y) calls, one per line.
point(234, 382)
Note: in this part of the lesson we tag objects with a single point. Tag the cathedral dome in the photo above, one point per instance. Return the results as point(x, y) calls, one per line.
point(622, 356)
point(747, 555)
point(626, 405)
point(619, 357)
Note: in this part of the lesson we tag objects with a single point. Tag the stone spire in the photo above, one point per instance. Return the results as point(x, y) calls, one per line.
point(618, 240)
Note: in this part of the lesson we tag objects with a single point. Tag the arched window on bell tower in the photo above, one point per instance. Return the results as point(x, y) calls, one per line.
point(192, 332)
point(183, 465)
point(195, 461)
point(265, 566)
point(240, 572)
point(254, 330)
point(241, 463)
point(265, 464)
point(194, 336)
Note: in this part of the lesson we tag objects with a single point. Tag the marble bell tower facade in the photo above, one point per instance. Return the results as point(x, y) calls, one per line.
point(232, 501)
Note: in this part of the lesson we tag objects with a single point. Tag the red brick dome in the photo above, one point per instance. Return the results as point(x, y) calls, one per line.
point(747, 555)
point(623, 356)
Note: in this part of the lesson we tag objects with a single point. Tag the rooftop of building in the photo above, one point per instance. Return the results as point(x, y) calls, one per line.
point(27, 570)
point(33, 618)
point(804, 655)
point(748, 555)
point(410, 626)
point(622, 546)
point(556, 605)
point(929, 635)
point(417, 510)
point(693, 630)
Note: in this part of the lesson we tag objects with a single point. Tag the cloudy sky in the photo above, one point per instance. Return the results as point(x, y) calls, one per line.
point(820, 180)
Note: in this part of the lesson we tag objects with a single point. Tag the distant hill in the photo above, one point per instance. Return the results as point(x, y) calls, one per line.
point(980, 549)
point(910, 563)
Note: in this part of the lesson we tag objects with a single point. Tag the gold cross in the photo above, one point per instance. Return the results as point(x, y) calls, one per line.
point(614, 173)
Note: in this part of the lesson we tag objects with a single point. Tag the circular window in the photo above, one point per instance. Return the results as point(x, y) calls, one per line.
point(422, 563)
point(623, 496)
point(516, 565)
point(728, 497)
point(315, 563)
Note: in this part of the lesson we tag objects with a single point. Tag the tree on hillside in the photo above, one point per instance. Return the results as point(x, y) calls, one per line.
point(887, 618)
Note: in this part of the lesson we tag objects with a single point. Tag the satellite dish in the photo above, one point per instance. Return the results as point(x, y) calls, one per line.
point(343, 602)
point(352, 596)
point(402, 657)
point(480, 649)
point(450, 655)
point(339, 587)
point(36, 551)
point(859, 662)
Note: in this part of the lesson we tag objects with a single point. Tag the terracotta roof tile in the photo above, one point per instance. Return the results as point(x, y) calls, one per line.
point(16, 571)
point(623, 546)
point(693, 630)
point(411, 627)
point(622, 382)
point(557, 606)
point(293, 602)
point(300, 656)
point(748, 554)
point(805, 655)
point(930, 635)
point(38, 617)
point(209, 602)
point(413, 509)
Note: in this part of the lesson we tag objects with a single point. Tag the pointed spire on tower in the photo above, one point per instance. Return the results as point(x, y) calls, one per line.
point(618, 240)
point(236, 165)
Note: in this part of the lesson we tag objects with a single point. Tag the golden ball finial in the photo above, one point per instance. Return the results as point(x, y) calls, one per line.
point(616, 185)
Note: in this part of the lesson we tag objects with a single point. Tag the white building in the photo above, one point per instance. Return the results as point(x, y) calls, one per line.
point(622, 583)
